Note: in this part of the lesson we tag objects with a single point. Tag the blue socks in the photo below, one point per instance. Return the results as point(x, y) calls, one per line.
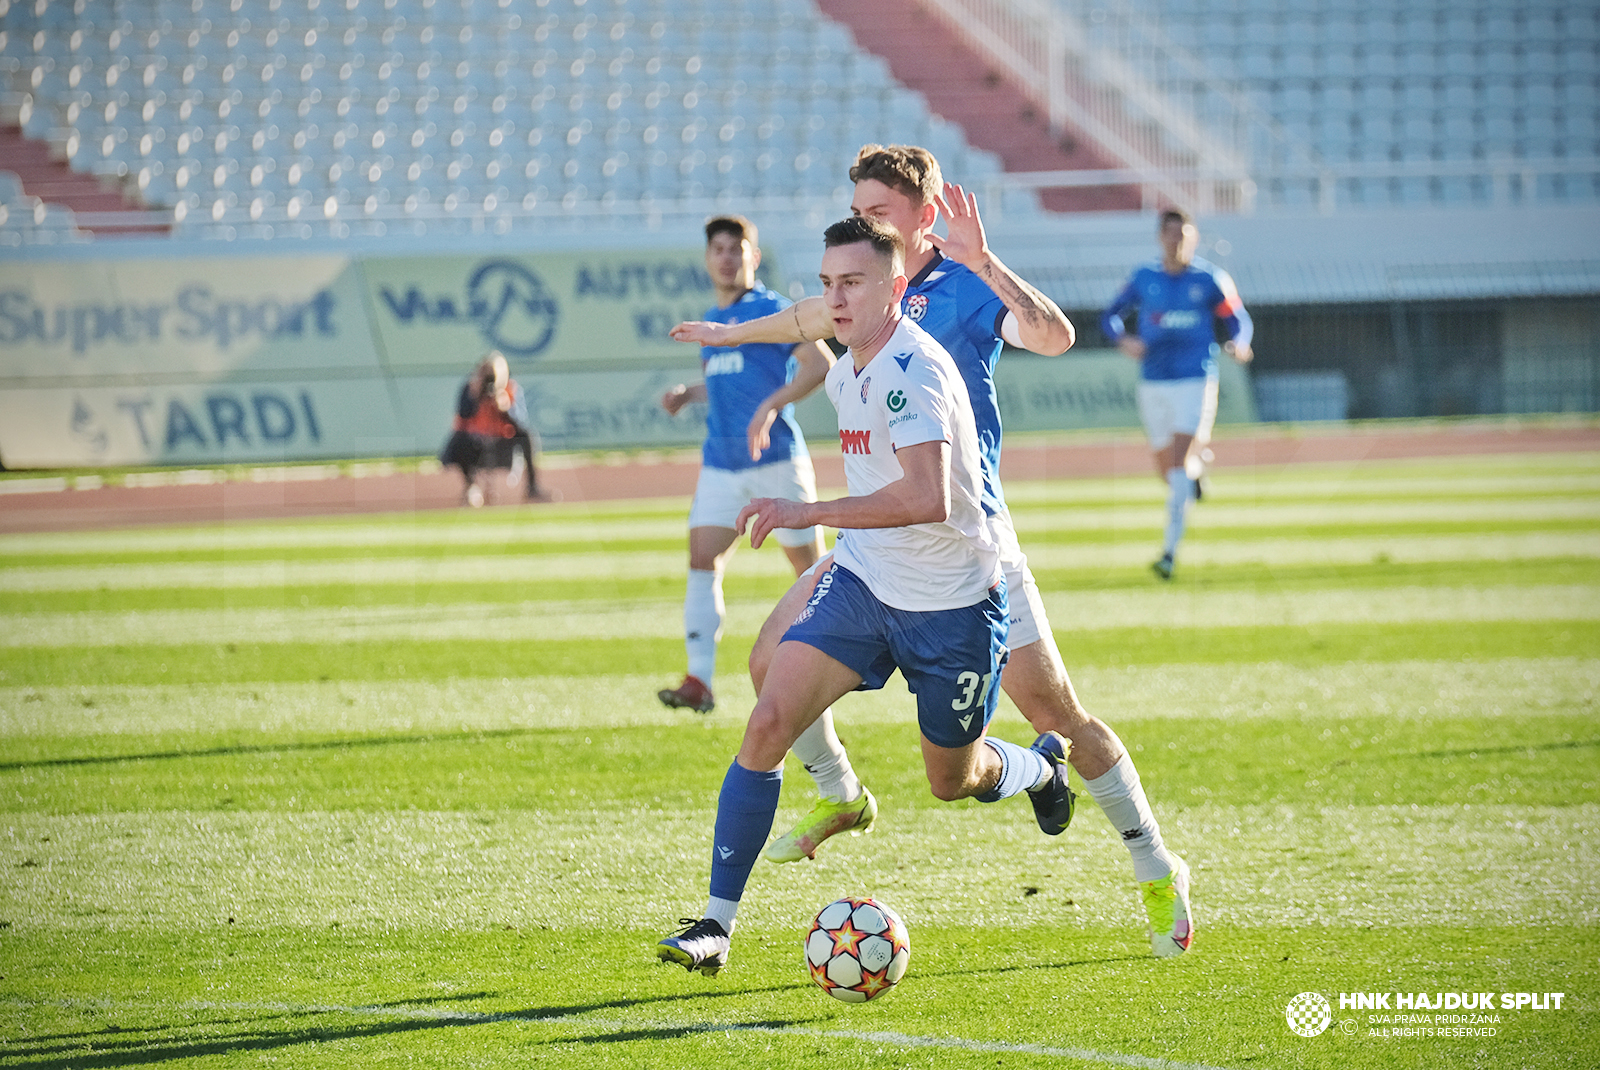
point(745, 810)
point(1021, 770)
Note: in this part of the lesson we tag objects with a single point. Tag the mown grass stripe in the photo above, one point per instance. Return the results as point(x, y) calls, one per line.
point(1078, 611)
point(156, 663)
point(744, 585)
point(602, 568)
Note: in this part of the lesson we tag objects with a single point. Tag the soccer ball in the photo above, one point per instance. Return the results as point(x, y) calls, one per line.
point(857, 949)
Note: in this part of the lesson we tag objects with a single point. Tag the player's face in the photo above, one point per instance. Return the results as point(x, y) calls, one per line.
point(888, 205)
point(731, 261)
point(1178, 240)
point(859, 287)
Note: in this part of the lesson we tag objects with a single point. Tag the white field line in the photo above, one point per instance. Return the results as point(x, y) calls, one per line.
point(881, 1037)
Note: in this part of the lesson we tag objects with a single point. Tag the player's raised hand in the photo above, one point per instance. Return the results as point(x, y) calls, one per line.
point(1240, 353)
point(699, 333)
point(966, 242)
point(759, 433)
point(769, 513)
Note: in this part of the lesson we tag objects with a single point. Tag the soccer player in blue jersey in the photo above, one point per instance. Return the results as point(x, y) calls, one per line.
point(915, 584)
point(753, 447)
point(1180, 301)
point(967, 299)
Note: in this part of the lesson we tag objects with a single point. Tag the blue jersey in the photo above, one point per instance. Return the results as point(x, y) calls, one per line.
point(738, 379)
point(957, 307)
point(1177, 314)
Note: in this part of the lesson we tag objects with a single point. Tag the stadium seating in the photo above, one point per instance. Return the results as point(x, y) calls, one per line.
point(1481, 86)
point(270, 118)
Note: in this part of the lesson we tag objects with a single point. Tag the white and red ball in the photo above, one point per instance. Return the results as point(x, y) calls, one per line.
point(857, 949)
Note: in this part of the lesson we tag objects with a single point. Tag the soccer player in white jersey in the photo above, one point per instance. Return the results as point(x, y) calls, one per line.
point(1180, 300)
point(968, 300)
point(753, 447)
point(915, 583)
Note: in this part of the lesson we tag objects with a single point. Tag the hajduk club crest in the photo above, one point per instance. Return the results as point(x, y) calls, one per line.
point(917, 306)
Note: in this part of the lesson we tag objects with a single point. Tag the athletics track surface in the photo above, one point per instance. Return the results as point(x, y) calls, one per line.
point(288, 492)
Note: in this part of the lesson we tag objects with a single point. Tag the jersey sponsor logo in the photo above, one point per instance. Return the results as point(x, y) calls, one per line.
point(1196, 293)
point(917, 307)
point(904, 361)
point(866, 385)
point(896, 400)
point(729, 363)
point(855, 441)
point(1178, 319)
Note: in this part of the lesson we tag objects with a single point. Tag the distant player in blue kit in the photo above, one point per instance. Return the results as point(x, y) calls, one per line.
point(965, 297)
point(753, 447)
point(915, 584)
point(1180, 300)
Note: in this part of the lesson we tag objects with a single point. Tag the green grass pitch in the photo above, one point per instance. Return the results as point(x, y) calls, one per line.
point(396, 790)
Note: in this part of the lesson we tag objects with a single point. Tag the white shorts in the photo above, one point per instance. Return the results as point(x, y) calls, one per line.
point(720, 494)
point(1169, 407)
point(1028, 621)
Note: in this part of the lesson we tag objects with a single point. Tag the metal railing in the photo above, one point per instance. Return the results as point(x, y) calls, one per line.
point(1087, 69)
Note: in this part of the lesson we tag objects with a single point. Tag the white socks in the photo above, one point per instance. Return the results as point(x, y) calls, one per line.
point(722, 912)
point(1021, 769)
point(1180, 492)
point(703, 610)
point(825, 759)
point(1121, 796)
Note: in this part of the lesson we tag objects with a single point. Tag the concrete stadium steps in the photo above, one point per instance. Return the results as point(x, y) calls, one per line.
point(965, 89)
point(54, 182)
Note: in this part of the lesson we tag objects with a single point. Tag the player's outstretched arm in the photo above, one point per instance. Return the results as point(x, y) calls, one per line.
point(675, 399)
point(920, 496)
point(806, 320)
point(814, 360)
point(1041, 325)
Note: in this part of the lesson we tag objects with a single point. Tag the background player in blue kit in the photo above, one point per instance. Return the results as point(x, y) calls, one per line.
point(968, 300)
point(753, 446)
point(1180, 300)
point(915, 584)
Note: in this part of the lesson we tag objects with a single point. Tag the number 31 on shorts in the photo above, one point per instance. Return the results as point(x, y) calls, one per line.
point(970, 681)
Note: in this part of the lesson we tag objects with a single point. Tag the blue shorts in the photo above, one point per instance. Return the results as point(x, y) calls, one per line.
point(951, 658)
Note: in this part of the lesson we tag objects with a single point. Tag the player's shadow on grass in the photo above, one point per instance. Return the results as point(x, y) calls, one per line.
point(273, 748)
point(134, 1047)
point(1472, 752)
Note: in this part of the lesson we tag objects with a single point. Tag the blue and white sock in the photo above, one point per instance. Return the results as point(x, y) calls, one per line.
point(1180, 492)
point(1021, 770)
point(703, 610)
point(745, 809)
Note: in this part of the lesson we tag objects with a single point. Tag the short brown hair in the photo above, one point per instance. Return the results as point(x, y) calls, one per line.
point(883, 238)
point(1176, 213)
point(908, 168)
point(737, 225)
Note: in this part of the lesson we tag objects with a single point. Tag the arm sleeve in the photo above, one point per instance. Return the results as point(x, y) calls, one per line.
point(1111, 320)
point(519, 406)
point(466, 404)
point(926, 416)
point(1230, 310)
